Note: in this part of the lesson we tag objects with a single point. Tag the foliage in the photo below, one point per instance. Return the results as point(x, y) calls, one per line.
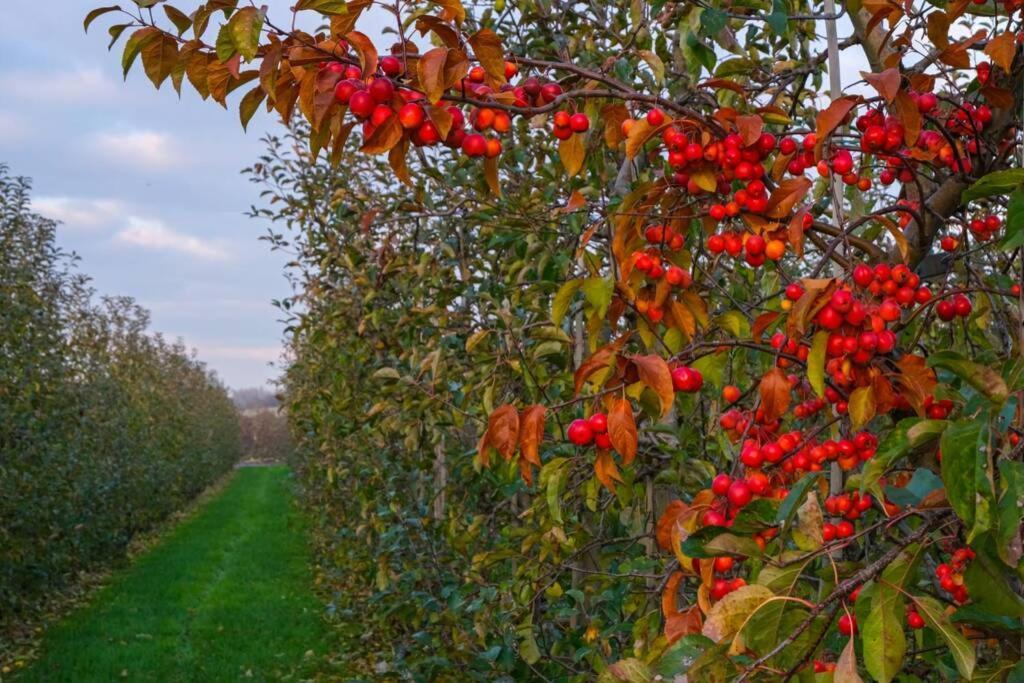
point(105, 429)
point(265, 435)
point(677, 365)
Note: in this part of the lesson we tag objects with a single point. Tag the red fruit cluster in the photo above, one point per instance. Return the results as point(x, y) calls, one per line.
point(850, 506)
point(956, 306)
point(662, 238)
point(823, 667)
point(729, 159)
point(722, 587)
point(985, 228)
point(567, 124)
point(937, 410)
point(590, 431)
point(686, 379)
point(755, 248)
point(950, 575)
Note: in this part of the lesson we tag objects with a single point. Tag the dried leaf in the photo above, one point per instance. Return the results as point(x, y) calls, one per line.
point(622, 429)
point(1001, 49)
point(606, 471)
point(654, 372)
point(775, 394)
point(488, 51)
point(887, 83)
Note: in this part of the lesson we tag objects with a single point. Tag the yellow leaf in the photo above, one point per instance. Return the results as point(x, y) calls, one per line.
point(572, 153)
point(861, 406)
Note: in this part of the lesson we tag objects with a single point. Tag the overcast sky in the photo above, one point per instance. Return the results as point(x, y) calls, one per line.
point(147, 185)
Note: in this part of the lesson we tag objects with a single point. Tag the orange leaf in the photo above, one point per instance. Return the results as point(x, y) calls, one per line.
point(669, 518)
point(654, 372)
point(488, 51)
point(684, 624)
point(830, 119)
point(886, 83)
point(639, 134)
point(622, 429)
point(531, 433)
point(807, 306)
point(365, 49)
point(670, 596)
point(909, 116)
point(572, 153)
point(762, 322)
point(613, 115)
point(749, 128)
point(606, 471)
point(384, 137)
point(430, 69)
point(1001, 49)
point(775, 394)
point(796, 232)
point(917, 379)
point(600, 360)
point(938, 29)
point(491, 175)
point(502, 434)
point(786, 195)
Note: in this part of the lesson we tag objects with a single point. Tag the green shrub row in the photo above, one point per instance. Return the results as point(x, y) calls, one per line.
point(105, 428)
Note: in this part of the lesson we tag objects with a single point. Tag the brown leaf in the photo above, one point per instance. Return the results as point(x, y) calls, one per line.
point(1001, 49)
point(938, 29)
point(613, 115)
point(342, 24)
point(431, 73)
point(159, 58)
point(886, 83)
point(572, 153)
point(396, 158)
point(917, 379)
point(683, 624)
point(846, 666)
point(600, 360)
point(491, 175)
point(531, 432)
point(830, 119)
point(816, 293)
point(653, 371)
point(606, 470)
point(670, 596)
point(384, 137)
point(775, 394)
point(365, 49)
point(795, 232)
point(762, 322)
point(786, 195)
point(638, 136)
point(488, 51)
point(502, 434)
point(669, 518)
point(453, 10)
point(909, 116)
point(749, 128)
point(622, 429)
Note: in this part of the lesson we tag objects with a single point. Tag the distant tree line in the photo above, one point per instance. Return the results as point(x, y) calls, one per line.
point(105, 428)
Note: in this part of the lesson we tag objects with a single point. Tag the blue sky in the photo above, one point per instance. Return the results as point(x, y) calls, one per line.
point(147, 184)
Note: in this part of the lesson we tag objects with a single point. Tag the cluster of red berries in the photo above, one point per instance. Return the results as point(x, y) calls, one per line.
point(735, 494)
point(567, 124)
point(755, 248)
point(950, 575)
point(722, 587)
point(937, 410)
point(804, 159)
point(687, 379)
point(583, 432)
point(956, 306)
point(985, 228)
point(649, 262)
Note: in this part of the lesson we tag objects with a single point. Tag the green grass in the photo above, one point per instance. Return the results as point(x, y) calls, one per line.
point(226, 596)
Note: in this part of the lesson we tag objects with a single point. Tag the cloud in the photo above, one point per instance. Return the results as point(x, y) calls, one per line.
point(139, 148)
point(12, 127)
point(63, 86)
point(264, 354)
point(152, 234)
point(79, 214)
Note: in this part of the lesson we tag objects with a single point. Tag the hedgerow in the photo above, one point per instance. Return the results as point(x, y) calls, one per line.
point(105, 428)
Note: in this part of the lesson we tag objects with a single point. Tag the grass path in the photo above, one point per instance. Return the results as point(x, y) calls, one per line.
point(226, 596)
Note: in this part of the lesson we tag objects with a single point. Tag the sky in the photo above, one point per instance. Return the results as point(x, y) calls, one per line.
point(147, 185)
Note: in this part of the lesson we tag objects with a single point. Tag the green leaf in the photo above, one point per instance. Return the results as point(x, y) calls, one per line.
point(987, 583)
point(681, 655)
point(98, 12)
point(795, 498)
point(728, 614)
point(697, 51)
point(1014, 231)
point(136, 41)
point(245, 25)
point(1008, 510)
point(323, 6)
point(712, 541)
point(712, 21)
point(598, 293)
point(981, 377)
point(553, 475)
point(934, 615)
point(963, 468)
point(180, 20)
point(225, 44)
point(997, 182)
point(560, 304)
point(816, 362)
point(712, 367)
point(921, 484)
point(248, 106)
point(885, 643)
point(778, 20)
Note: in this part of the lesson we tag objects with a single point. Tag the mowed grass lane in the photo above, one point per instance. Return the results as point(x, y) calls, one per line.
point(226, 596)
